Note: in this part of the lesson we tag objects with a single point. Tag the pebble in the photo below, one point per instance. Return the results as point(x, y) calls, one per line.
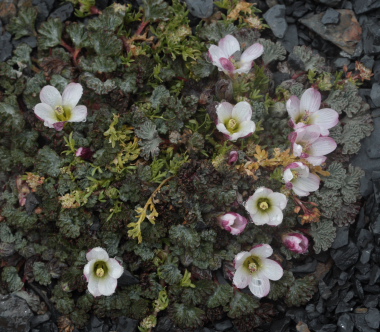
point(200, 8)
point(373, 318)
point(331, 3)
point(341, 238)
point(280, 325)
point(345, 256)
point(6, 47)
point(368, 61)
point(307, 267)
point(275, 17)
point(341, 62)
point(371, 36)
point(331, 16)
point(345, 323)
point(127, 279)
point(290, 39)
point(63, 12)
point(30, 40)
point(371, 301)
point(125, 324)
point(15, 314)
point(39, 319)
point(223, 326)
point(375, 94)
point(363, 6)
point(327, 328)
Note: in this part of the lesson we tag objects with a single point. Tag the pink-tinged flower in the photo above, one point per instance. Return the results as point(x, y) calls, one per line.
point(222, 55)
point(254, 269)
point(296, 242)
point(233, 157)
point(235, 121)
point(84, 153)
point(308, 144)
point(55, 109)
point(265, 207)
point(306, 112)
point(297, 177)
point(101, 272)
point(233, 222)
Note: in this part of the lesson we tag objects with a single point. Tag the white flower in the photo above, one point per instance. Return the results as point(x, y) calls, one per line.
point(222, 55)
point(306, 112)
point(254, 269)
point(55, 109)
point(235, 121)
point(296, 242)
point(101, 272)
point(297, 177)
point(308, 144)
point(265, 207)
point(233, 222)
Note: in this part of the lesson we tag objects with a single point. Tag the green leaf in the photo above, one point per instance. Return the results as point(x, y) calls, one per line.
point(170, 273)
point(10, 119)
point(221, 296)
point(41, 273)
point(351, 190)
point(198, 294)
point(323, 234)
point(106, 43)
point(101, 88)
point(159, 93)
point(23, 24)
point(109, 20)
point(184, 236)
point(215, 31)
point(186, 316)
point(242, 304)
point(150, 140)
point(128, 83)
point(336, 177)
point(50, 33)
point(78, 34)
point(21, 56)
point(155, 10)
point(201, 68)
point(279, 288)
point(59, 82)
point(6, 234)
point(346, 100)
point(11, 277)
point(98, 64)
point(311, 58)
point(272, 51)
point(48, 162)
point(301, 291)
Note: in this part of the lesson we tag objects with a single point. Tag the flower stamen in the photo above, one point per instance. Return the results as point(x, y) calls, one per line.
point(252, 267)
point(99, 272)
point(232, 124)
point(264, 205)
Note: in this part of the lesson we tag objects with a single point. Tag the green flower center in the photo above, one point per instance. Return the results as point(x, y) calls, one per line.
point(232, 125)
point(263, 204)
point(62, 113)
point(303, 118)
point(100, 269)
point(252, 263)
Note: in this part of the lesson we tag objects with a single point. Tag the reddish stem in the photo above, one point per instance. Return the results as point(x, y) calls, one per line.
point(142, 27)
point(95, 11)
point(295, 76)
point(67, 47)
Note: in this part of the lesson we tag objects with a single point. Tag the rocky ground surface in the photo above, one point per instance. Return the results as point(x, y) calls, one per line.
point(348, 299)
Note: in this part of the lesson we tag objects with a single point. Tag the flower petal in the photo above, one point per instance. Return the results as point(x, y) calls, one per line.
point(45, 113)
point(229, 45)
point(310, 100)
point(222, 128)
point(252, 53)
point(242, 112)
point(246, 128)
point(262, 250)
point(308, 134)
point(272, 270)
point(316, 161)
point(89, 269)
point(299, 192)
point(58, 126)
point(78, 114)
point(115, 270)
point(240, 258)
point(71, 95)
point(51, 96)
point(97, 253)
point(224, 112)
point(278, 200)
point(107, 285)
point(215, 53)
point(227, 65)
point(325, 118)
point(93, 285)
point(275, 216)
point(241, 277)
point(293, 107)
point(311, 183)
point(259, 286)
point(288, 175)
point(243, 68)
point(322, 146)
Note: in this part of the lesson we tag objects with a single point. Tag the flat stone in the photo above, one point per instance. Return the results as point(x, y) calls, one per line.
point(345, 256)
point(30, 40)
point(361, 323)
point(39, 319)
point(363, 6)
point(371, 301)
point(366, 255)
point(299, 9)
point(125, 324)
point(223, 326)
point(63, 12)
point(327, 328)
point(280, 325)
point(324, 290)
point(127, 279)
point(165, 324)
point(290, 39)
point(200, 8)
point(371, 36)
point(375, 94)
point(341, 238)
point(372, 318)
point(15, 314)
point(375, 275)
point(307, 267)
point(331, 16)
point(341, 62)
point(275, 17)
point(364, 238)
point(6, 47)
point(345, 323)
point(346, 35)
point(331, 3)
point(368, 61)
point(296, 314)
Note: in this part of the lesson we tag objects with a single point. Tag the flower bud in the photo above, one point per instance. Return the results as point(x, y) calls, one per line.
point(84, 153)
point(233, 222)
point(233, 157)
point(296, 242)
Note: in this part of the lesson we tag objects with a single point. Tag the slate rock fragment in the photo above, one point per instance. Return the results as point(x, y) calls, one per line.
point(15, 314)
point(63, 12)
point(363, 6)
point(290, 39)
point(331, 16)
point(125, 324)
point(275, 17)
point(6, 47)
point(345, 323)
point(200, 8)
point(345, 256)
point(371, 36)
point(341, 238)
point(331, 3)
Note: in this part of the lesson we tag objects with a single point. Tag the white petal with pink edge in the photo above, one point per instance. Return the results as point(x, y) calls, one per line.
point(242, 277)
point(244, 68)
point(45, 113)
point(308, 134)
point(278, 199)
point(242, 112)
point(229, 45)
point(245, 128)
point(252, 53)
point(71, 95)
point(240, 258)
point(322, 146)
point(215, 53)
point(260, 218)
point(310, 183)
point(97, 253)
point(224, 111)
point(51, 96)
point(259, 286)
point(299, 192)
point(78, 114)
point(89, 268)
point(293, 107)
point(272, 270)
point(227, 65)
point(222, 128)
point(262, 250)
point(325, 118)
point(288, 175)
point(275, 216)
point(316, 161)
point(310, 100)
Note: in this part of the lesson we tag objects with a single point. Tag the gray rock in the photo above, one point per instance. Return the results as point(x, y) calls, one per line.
point(275, 18)
point(290, 39)
point(126, 324)
point(31, 41)
point(361, 323)
point(363, 6)
point(307, 267)
point(280, 325)
point(345, 323)
point(371, 36)
point(341, 238)
point(223, 326)
point(200, 8)
point(63, 12)
point(15, 314)
point(331, 17)
point(371, 301)
point(341, 62)
point(39, 319)
point(368, 61)
point(127, 279)
point(6, 47)
point(331, 3)
point(372, 318)
point(345, 256)
point(49, 327)
point(327, 328)
point(375, 94)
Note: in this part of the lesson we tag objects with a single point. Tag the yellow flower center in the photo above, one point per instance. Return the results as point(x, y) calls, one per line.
point(232, 124)
point(253, 264)
point(63, 114)
point(99, 272)
point(304, 118)
point(252, 267)
point(264, 205)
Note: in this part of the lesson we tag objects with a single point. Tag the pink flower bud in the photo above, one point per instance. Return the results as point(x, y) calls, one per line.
point(296, 242)
point(233, 222)
point(84, 153)
point(233, 157)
